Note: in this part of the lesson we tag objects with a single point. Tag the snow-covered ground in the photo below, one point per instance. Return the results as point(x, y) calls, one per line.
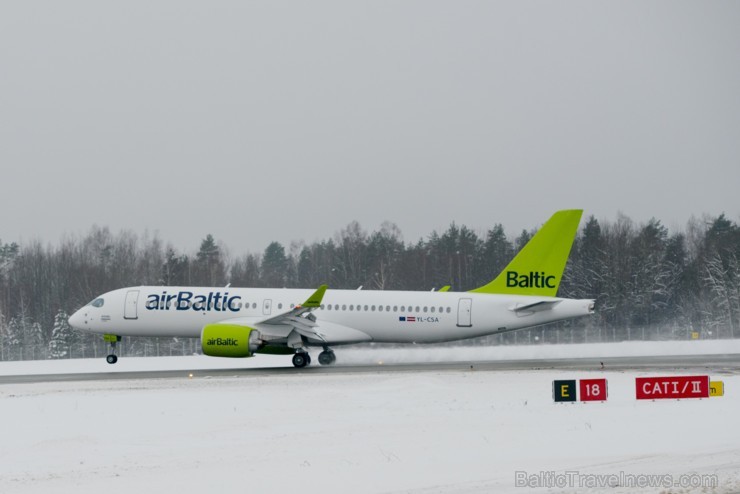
point(366, 355)
point(420, 432)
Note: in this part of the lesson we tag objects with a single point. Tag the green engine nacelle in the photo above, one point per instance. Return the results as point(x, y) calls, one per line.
point(229, 340)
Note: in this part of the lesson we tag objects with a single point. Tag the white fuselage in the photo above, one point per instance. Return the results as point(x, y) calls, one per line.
point(384, 316)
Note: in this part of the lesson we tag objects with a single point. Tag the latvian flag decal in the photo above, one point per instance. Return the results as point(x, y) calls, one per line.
point(407, 319)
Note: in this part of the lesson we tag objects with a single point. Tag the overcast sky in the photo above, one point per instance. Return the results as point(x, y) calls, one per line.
point(260, 121)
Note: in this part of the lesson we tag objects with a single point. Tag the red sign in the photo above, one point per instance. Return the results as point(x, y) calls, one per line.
point(656, 388)
point(593, 389)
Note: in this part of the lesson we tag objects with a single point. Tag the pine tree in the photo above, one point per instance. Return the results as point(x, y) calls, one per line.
point(209, 263)
point(274, 266)
point(61, 336)
point(13, 335)
point(2, 335)
point(175, 269)
point(497, 252)
point(34, 338)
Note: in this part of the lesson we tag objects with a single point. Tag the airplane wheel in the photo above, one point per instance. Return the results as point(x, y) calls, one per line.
point(111, 359)
point(301, 360)
point(327, 358)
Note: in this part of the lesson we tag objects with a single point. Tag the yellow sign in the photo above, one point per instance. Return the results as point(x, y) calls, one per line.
point(695, 335)
point(716, 388)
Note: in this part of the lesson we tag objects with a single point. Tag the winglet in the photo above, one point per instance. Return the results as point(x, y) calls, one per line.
point(314, 300)
point(444, 288)
point(538, 268)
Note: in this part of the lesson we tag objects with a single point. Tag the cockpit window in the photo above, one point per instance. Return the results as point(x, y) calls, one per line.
point(98, 302)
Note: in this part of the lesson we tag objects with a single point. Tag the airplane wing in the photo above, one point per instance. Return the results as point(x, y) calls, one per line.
point(301, 320)
point(300, 317)
point(313, 303)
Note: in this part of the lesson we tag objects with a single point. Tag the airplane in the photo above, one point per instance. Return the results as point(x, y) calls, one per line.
point(243, 322)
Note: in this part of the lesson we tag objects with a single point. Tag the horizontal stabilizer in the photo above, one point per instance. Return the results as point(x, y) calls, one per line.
point(538, 306)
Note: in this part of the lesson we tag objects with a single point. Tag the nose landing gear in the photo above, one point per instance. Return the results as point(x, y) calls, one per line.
point(112, 339)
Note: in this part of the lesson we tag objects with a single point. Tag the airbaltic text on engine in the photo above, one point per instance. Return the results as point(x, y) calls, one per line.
point(220, 302)
point(223, 341)
point(531, 280)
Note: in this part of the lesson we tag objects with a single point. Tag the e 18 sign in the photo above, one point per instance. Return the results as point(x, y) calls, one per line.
point(587, 390)
point(593, 389)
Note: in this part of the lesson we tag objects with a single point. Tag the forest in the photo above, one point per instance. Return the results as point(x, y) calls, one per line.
point(649, 283)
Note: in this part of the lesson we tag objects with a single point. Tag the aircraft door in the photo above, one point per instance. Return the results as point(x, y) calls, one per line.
point(464, 307)
point(129, 307)
point(267, 307)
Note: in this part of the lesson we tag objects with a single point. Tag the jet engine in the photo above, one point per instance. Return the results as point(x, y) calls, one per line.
point(229, 340)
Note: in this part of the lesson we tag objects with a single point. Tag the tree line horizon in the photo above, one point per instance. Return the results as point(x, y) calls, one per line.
point(642, 276)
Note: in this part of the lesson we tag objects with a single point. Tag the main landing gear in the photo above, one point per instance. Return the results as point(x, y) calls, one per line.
point(327, 357)
point(302, 358)
point(112, 339)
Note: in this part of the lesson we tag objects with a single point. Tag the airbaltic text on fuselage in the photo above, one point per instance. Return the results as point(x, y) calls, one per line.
point(531, 280)
point(217, 301)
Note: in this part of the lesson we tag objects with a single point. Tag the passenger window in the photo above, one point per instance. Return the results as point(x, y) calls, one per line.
point(344, 307)
point(351, 307)
point(372, 308)
point(395, 308)
point(280, 306)
point(380, 308)
point(449, 310)
point(425, 308)
point(432, 309)
point(366, 308)
point(417, 308)
point(254, 305)
point(403, 308)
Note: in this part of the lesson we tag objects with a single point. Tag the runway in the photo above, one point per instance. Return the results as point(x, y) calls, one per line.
point(727, 364)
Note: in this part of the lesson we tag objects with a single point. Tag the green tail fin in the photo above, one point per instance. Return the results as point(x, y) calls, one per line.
point(538, 268)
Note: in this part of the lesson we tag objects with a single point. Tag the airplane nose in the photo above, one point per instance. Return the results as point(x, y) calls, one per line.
point(76, 320)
